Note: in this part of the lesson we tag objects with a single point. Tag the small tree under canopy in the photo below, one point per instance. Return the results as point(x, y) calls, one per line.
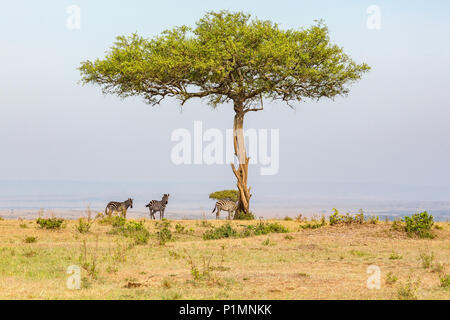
point(227, 57)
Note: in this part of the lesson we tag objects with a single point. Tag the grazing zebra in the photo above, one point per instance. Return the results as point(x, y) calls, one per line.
point(160, 206)
point(121, 207)
point(225, 205)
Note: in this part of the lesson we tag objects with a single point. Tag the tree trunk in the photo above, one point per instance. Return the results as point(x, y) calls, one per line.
point(241, 172)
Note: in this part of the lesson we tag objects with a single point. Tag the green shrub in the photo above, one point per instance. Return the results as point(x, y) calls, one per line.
point(314, 224)
point(373, 219)
point(179, 228)
point(164, 234)
point(408, 290)
point(88, 259)
point(391, 278)
point(419, 224)
point(395, 256)
point(50, 223)
point(427, 260)
point(348, 219)
point(225, 231)
point(83, 226)
point(117, 221)
point(141, 236)
point(336, 217)
point(130, 229)
point(358, 253)
point(359, 218)
point(445, 281)
point(397, 225)
point(241, 215)
point(206, 224)
point(300, 218)
point(265, 228)
point(30, 240)
point(267, 242)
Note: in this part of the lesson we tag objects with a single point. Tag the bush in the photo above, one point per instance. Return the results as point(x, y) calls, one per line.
point(179, 228)
point(130, 229)
point(397, 225)
point(164, 234)
point(427, 260)
point(395, 256)
point(445, 281)
point(336, 217)
point(391, 278)
point(408, 290)
point(314, 224)
point(137, 231)
point(83, 226)
point(241, 215)
point(225, 231)
point(117, 222)
point(266, 228)
point(419, 224)
point(373, 219)
point(30, 240)
point(88, 260)
point(50, 223)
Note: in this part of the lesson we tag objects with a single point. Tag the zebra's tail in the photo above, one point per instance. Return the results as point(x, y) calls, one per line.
point(215, 207)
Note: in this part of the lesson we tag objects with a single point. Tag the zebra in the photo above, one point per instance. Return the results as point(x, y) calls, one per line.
point(225, 205)
point(121, 207)
point(160, 206)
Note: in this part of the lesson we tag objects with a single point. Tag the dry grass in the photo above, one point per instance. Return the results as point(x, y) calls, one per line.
point(324, 263)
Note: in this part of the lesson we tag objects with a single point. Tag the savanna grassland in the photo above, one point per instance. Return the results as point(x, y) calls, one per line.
point(271, 259)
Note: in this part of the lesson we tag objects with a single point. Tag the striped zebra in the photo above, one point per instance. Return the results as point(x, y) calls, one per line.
point(225, 205)
point(120, 207)
point(160, 206)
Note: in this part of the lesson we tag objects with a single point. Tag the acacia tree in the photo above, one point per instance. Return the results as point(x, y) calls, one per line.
point(227, 58)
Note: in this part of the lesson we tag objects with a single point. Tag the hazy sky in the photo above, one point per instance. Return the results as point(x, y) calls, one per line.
point(393, 128)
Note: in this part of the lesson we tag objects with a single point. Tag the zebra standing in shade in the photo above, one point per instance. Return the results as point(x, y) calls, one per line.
point(160, 206)
point(225, 205)
point(121, 207)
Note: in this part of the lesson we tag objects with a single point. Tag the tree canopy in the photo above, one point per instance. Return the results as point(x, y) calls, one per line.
point(232, 195)
point(226, 57)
